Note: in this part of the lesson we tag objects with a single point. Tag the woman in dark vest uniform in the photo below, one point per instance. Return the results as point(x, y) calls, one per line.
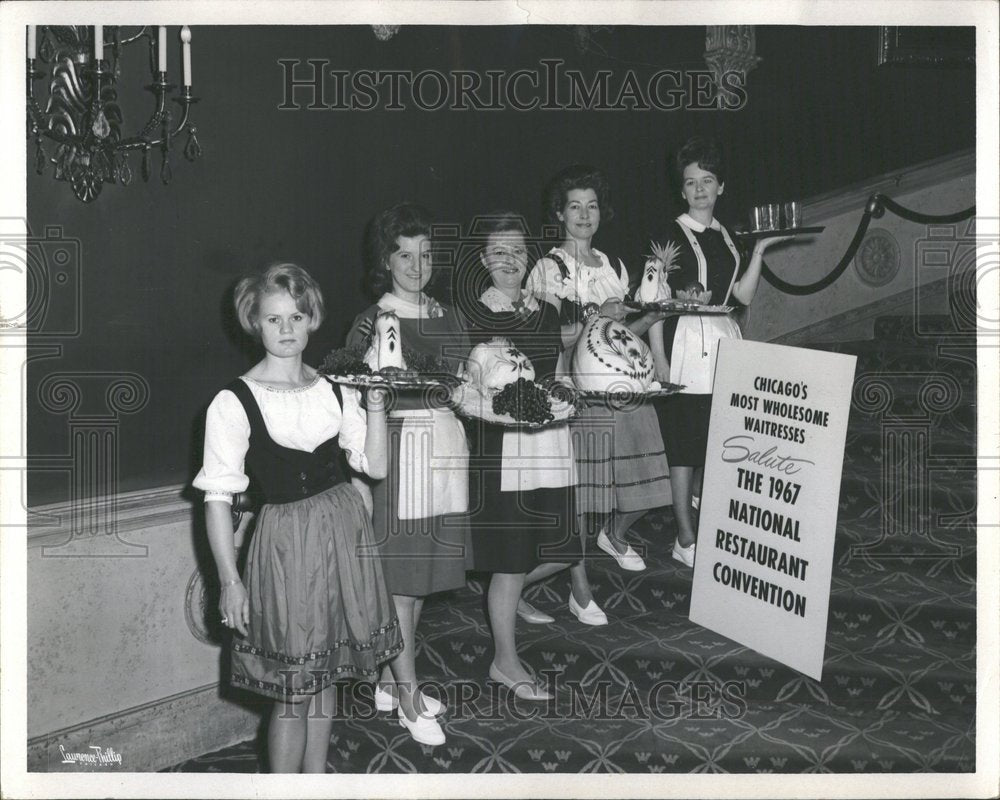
point(709, 269)
point(620, 458)
point(309, 609)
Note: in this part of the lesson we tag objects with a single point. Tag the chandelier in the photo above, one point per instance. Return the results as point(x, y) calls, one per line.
point(82, 115)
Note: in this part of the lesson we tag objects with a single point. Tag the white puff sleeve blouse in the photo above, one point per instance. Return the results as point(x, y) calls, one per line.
point(301, 419)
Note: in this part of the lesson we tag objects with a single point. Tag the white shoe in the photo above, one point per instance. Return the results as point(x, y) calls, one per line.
point(591, 615)
point(684, 554)
point(629, 560)
point(425, 730)
point(387, 701)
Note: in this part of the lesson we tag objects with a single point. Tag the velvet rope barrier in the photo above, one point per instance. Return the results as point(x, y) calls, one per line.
point(875, 207)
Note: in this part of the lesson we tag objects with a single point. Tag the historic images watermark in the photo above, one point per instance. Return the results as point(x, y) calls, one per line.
point(310, 84)
point(598, 701)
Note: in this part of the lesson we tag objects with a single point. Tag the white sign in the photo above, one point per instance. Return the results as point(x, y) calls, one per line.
point(769, 503)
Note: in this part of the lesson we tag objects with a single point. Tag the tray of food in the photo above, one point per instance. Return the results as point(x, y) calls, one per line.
point(677, 307)
point(347, 365)
point(624, 394)
point(521, 404)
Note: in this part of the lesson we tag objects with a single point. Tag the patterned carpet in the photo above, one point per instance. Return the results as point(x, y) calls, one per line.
point(653, 693)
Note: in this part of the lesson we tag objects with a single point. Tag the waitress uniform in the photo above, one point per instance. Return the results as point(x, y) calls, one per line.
point(319, 610)
point(709, 256)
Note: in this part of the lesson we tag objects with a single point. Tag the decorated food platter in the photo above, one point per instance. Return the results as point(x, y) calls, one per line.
point(770, 234)
point(537, 406)
point(349, 366)
point(394, 380)
point(678, 307)
point(656, 389)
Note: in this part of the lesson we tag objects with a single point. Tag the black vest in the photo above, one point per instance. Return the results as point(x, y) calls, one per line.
point(282, 474)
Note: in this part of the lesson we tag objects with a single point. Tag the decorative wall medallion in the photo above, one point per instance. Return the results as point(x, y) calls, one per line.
point(202, 617)
point(877, 260)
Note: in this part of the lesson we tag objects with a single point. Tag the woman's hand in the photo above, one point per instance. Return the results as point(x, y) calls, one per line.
point(614, 308)
point(234, 606)
point(762, 244)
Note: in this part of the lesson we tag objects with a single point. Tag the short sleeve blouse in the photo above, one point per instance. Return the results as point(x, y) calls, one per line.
point(584, 284)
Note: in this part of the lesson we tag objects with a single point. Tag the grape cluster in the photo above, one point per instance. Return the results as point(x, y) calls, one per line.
point(525, 401)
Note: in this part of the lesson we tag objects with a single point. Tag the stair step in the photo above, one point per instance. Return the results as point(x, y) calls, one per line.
point(926, 327)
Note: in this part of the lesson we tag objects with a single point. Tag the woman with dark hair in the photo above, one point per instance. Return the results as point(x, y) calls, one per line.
point(525, 525)
point(419, 509)
point(308, 610)
point(709, 268)
point(622, 469)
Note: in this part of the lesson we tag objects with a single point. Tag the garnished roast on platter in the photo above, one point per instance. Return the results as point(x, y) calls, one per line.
point(499, 387)
point(386, 360)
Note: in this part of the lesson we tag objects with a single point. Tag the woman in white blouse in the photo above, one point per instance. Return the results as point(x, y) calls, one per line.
point(308, 610)
point(622, 468)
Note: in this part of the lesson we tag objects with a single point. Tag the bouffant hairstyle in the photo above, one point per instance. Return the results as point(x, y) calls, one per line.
point(577, 176)
point(706, 153)
point(403, 219)
point(281, 277)
point(473, 278)
point(500, 222)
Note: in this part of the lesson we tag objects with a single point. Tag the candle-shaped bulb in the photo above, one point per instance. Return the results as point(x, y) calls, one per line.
point(32, 47)
point(186, 53)
point(98, 42)
point(161, 48)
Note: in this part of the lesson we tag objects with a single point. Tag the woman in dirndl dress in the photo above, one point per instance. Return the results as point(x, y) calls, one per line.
point(308, 610)
point(525, 526)
point(622, 468)
point(709, 268)
point(419, 509)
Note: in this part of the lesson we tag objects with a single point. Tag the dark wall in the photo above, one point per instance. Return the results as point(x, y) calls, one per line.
point(157, 261)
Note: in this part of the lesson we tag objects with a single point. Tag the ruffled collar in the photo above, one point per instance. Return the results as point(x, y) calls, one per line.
point(577, 266)
point(497, 302)
point(405, 309)
point(697, 227)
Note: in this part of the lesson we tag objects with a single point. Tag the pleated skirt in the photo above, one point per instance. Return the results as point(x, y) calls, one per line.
point(320, 610)
point(620, 459)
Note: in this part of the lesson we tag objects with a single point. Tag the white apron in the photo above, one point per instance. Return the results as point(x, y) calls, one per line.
point(532, 459)
point(695, 348)
point(433, 451)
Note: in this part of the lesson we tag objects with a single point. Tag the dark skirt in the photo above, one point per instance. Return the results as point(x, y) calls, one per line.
point(319, 608)
point(684, 426)
point(515, 531)
point(419, 556)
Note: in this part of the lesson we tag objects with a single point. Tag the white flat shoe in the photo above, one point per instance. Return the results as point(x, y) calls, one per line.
point(526, 690)
point(629, 560)
point(425, 730)
point(387, 701)
point(529, 613)
point(684, 554)
point(591, 615)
